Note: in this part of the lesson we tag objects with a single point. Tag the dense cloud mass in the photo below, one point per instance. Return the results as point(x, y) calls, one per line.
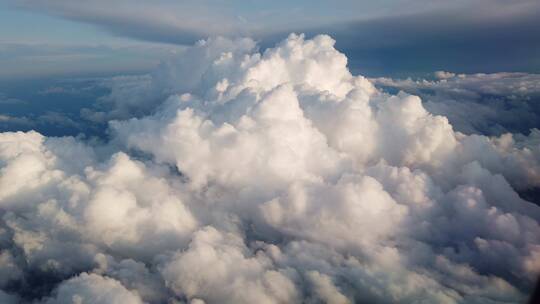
point(239, 177)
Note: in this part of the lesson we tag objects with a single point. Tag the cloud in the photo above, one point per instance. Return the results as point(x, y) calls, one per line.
point(36, 60)
point(465, 37)
point(136, 95)
point(171, 22)
point(47, 120)
point(380, 38)
point(5, 100)
point(502, 102)
point(444, 75)
point(235, 176)
point(93, 288)
point(17, 121)
point(231, 276)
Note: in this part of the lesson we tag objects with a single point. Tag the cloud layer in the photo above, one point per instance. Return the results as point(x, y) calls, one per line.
point(502, 102)
point(380, 38)
point(235, 176)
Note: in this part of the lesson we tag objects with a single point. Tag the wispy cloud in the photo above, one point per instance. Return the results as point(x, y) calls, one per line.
point(163, 21)
point(28, 60)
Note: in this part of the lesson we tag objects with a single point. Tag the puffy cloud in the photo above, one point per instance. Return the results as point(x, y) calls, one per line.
point(63, 210)
point(303, 210)
point(279, 177)
point(500, 102)
point(325, 289)
point(217, 267)
point(92, 288)
point(444, 74)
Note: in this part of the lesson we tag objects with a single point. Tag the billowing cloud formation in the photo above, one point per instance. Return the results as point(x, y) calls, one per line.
point(271, 178)
point(92, 288)
point(502, 102)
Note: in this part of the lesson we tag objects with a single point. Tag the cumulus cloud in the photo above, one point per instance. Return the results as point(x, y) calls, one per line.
point(92, 288)
point(231, 274)
point(489, 104)
point(234, 176)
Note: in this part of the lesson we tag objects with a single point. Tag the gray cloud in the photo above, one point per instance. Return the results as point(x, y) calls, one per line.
point(463, 36)
point(182, 23)
point(4, 100)
point(500, 102)
point(486, 38)
point(29, 61)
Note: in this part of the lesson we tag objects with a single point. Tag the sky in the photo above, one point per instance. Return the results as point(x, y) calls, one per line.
point(199, 152)
point(379, 37)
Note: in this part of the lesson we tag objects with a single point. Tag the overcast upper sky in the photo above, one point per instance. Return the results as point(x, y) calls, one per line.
point(61, 37)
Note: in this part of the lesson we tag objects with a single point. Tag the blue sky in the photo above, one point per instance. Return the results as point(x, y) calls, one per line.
point(27, 26)
point(66, 38)
point(34, 45)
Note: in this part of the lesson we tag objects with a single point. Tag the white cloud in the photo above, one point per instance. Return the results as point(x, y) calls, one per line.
point(229, 276)
point(276, 178)
point(92, 288)
point(444, 74)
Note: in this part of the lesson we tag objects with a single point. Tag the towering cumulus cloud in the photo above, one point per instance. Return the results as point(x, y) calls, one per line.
point(268, 178)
